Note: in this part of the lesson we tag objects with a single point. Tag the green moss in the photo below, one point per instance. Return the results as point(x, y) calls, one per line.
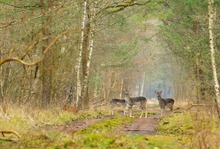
point(166, 141)
point(68, 143)
point(177, 123)
point(97, 140)
point(143, 141)
point(106, 125)
point(172, 132)
point(99, 134)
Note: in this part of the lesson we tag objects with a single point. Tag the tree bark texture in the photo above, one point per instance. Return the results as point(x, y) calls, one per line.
point(142, 85)
point(79, 61)
point(46, 66)
point(91, 47)
point(212, 48)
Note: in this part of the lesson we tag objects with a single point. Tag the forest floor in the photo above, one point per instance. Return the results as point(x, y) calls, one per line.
point(139, 126)
point(97, 129)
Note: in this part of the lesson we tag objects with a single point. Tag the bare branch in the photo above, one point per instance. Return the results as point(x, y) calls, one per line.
point(8, 132)
point(36, 62)
point(116, 7)
point(15, 6)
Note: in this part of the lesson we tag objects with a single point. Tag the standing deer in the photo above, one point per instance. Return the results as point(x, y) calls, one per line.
point(131, 101)
point(114, 102)
point(164, 102)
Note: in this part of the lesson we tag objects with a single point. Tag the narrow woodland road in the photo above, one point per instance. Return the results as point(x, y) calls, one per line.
point(74, 126)
point(145, 126)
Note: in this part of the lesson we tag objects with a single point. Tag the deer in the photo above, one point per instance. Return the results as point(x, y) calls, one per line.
point(114, 102)
point(131, 101)
point(169, 102)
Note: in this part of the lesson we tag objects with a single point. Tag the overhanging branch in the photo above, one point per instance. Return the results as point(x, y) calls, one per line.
point(35, 62)
point(116, 7)
point(27, 6)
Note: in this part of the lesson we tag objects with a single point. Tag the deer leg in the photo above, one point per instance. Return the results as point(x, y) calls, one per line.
point(130, 110)
point(146, 113)
point(171, 108)
point(112, 110)
point(141, 113)
point(161, 112)
point(145, 108)
point(124, 111)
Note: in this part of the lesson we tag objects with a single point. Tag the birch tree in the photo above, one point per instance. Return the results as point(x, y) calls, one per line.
point(86, 50)
point(78, 64)
point(87, 41)
point(91, 47)
point(212, 51)
point(142, 85)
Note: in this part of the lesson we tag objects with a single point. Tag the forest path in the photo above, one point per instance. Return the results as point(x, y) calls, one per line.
point(142, 126)
point(146, 126)
point(74, 126)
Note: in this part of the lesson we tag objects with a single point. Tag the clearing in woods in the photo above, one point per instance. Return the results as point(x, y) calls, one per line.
point(102, 132)
point(142, 126)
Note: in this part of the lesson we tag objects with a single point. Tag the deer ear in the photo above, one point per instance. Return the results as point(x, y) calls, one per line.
point(160, 91)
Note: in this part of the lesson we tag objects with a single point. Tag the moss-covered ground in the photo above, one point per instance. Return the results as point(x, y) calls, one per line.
point(177, 130)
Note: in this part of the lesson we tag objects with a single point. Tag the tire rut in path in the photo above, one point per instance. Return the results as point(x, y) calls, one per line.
point(145, 126)
point(74, 126)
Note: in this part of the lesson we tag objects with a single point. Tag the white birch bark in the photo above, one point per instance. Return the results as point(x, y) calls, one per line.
point(212, 47)
point(1, 79)
point(122, 85)
point(91, 47)
point(142, 85)
point(79, 60)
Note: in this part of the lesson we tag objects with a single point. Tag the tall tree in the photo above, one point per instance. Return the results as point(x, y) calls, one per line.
point(79, 60)
point(186, 36)
point(47, 62)
point(211, 13)
point(90, 49)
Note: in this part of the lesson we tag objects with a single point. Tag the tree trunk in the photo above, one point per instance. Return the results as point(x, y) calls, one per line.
point(79, 61)
point(142, 85)
point(91, 47)
point(121, 88)
point(46, 75)
point(4, 81)
point(212, 50)
point(200, 95)
point(46, 66)
point(1, 80)
point(85, 46)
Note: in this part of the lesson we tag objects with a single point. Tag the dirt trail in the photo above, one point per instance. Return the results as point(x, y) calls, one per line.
point(145, 126)
point(74, 126)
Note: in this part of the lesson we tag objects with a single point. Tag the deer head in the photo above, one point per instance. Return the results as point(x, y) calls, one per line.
point(126, 92)
point(158, 93)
